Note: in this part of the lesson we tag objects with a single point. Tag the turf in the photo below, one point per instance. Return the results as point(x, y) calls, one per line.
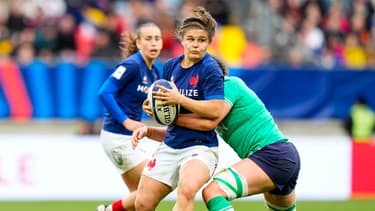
point(353, 205)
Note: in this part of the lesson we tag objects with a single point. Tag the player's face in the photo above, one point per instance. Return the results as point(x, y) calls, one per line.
point(195, 43)
point(150, 42)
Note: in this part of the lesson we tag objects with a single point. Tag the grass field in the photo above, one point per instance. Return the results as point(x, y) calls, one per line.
point(354, 205)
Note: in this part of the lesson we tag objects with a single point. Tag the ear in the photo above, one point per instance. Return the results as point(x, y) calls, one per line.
point(138, 43)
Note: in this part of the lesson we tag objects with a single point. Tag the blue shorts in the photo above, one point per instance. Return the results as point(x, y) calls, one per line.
point(281, 162)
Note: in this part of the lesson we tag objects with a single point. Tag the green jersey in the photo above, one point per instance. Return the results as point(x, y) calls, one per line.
point(248, 126)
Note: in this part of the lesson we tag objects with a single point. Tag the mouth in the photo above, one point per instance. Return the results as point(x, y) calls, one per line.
point(154, 51)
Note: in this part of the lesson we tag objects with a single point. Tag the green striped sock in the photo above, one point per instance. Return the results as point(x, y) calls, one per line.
point(219, 203)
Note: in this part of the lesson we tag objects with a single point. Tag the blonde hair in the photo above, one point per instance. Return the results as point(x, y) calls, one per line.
point(201, 19)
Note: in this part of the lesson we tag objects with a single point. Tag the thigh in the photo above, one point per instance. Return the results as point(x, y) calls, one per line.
point(119, 150)
point(242, 179)
point(257, 180)
point(151, 191)
point(193, 175)
point(208, 156)
point(197, 166)
point(164, 166)
point(132, 177)
point(281, 162)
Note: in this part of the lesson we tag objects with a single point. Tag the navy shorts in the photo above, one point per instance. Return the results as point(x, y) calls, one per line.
point(281, 162)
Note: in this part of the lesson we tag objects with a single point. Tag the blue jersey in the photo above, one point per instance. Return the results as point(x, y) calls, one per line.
point(124, 92)
point(203, 81)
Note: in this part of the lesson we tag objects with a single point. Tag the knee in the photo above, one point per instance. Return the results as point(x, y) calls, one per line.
point(277, 202)
point(212, 190)
point(143, 204)
point(186, 192)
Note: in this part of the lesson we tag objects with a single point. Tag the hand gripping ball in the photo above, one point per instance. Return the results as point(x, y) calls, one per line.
point(162, 114)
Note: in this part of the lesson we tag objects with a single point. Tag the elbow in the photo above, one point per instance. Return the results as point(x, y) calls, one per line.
point(210, 125)
point(212, 115)
point(217, 114)
point(100, 95)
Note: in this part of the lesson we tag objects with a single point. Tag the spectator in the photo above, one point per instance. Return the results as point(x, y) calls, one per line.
point(333, 51)
point(370, 49)
point(103, 49)
point(66, 45)
point(354, 53)
point(336, 20)
point(220, 11)
point(16, 20)
point(360, 123)
point(310, 34)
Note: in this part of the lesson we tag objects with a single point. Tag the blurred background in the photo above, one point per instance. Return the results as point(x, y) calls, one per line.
point(312, 62)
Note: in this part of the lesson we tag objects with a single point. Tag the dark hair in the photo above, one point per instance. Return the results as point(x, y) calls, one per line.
point(361, 100)
point(201, 19)
point(221, 64)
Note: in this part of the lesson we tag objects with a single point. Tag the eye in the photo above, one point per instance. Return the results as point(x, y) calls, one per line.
point(202, 39)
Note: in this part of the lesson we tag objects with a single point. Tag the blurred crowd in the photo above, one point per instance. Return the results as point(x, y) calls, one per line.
point(327, 34)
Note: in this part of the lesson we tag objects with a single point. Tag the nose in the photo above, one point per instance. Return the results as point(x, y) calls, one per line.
point(154, 41)
point(195, 43)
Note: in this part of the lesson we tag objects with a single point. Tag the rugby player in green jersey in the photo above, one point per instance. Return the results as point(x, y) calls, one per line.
point(269, 162)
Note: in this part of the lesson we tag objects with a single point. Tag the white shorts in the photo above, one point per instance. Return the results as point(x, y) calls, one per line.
point(119, 150)
point(166, 162)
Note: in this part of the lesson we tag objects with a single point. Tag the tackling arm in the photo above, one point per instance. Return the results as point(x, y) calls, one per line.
point(204, 108)
point(192, 121)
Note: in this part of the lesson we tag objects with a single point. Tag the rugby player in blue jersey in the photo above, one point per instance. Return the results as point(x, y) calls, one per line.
point(122, 95)
point(187, 158)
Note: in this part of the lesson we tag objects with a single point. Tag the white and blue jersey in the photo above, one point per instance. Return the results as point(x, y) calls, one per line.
point(124, 92)
point(203, 81)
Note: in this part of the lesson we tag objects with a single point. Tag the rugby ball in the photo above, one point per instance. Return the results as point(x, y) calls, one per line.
point(162, 114)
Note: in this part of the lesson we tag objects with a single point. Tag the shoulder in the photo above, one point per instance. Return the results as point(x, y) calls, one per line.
point(234, 79)
point(132, 63)
point(132, 60)
point(235, 83)
point(126, 67)
point(209, 61)
point(172, 61)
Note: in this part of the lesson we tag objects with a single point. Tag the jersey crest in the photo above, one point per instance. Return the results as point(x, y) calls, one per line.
point(145, 81)
point(193, 80)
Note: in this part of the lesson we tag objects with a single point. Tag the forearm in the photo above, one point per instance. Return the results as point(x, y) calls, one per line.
point(204, 108)
point(195, 122)
point(156, 133)
point(112, 107)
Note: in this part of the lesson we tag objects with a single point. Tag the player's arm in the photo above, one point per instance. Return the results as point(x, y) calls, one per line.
point(211, 109)
point(155, 133)
point(107, 96)
point(108, 91)
point(192, 121)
